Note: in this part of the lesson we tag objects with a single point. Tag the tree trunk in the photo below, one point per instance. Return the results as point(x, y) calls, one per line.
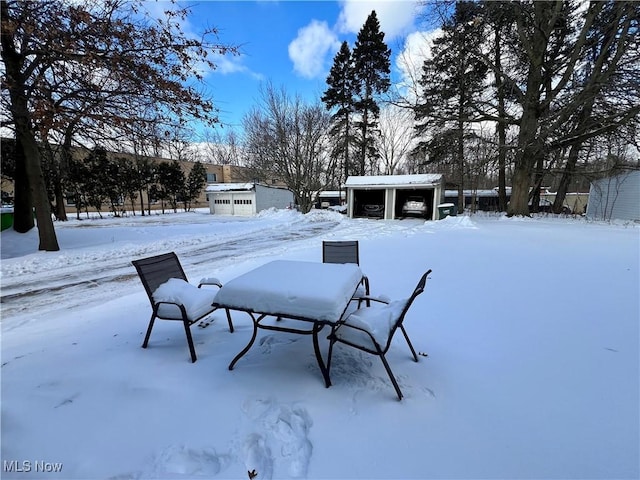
point(565, 180)
point(500, 126)
point(23, 203)
point(60, 212)
point(537, 183)
point(529, 150)
point(38, 189)
point(502, 167)
point(519, 203)
point(346, 147)
point(460, 154)
point(363, 148)
point(30, 156)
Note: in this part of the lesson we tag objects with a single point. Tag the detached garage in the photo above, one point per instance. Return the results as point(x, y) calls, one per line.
point(383, 196)
point(246, 199)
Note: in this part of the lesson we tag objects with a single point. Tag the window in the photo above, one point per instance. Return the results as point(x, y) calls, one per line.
point(212, 178)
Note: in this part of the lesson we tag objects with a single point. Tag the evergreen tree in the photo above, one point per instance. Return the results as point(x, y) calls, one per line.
point(171, 183)
point(372, 68)
point(341, 95)
point(451, 81)
point(196, 180)
point(145, 175)
point(129, 182)
point(77, 184)
point(98, 184)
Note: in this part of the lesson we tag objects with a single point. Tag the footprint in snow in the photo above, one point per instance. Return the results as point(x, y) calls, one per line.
point(181, 460)
point(257, 456)
point(278, 440)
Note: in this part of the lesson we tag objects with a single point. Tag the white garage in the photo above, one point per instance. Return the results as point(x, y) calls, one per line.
point(383, 196)
point(246, 199)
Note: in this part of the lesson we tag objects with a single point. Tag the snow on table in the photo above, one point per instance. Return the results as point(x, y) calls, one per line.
point(308, 290)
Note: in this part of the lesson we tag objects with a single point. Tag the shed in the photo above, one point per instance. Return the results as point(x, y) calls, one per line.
point(383, 196)
point(246, 198)
point(616, 197)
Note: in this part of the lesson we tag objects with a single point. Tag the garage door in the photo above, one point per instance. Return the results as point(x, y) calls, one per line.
point(243, 203)
point(223, 204)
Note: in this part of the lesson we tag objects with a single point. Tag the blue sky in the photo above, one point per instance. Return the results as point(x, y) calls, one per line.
point(289, 43)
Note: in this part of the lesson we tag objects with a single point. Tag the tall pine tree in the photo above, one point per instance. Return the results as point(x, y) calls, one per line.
point(341, 95)
point(371, 71)
point(451, 82)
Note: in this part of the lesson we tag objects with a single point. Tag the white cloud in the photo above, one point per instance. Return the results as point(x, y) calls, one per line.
point(396, 17)
point(308, 51)
point(229, 64)
point(416, 49)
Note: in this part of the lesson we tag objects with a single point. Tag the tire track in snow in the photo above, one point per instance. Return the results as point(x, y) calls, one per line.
point(104, 275)
point(103, 279)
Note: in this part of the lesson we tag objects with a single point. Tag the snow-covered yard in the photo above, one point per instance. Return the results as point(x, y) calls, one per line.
point(531, 327)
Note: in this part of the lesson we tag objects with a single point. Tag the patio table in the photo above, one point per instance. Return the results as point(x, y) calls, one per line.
point(312, 292)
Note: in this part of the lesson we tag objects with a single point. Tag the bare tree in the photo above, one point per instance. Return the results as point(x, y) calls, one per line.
point(557, 110)
point(396, 137)
point(223, 149)
point(286, 139)
point(79, 64)
point(178, 146)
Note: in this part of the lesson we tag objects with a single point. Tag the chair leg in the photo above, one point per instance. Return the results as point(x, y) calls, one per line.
point(192, 349)
point(365, 280)
point(229, 320)
point(406, 337)
point(330, 351)
point(316, 348)
point(393, 379)
point(146, 337)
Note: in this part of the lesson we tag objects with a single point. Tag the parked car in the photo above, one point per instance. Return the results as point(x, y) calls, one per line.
point(415, 206)
point(373, 210)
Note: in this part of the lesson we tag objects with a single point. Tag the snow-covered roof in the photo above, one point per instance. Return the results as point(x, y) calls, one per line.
point(478, 193)
point(470, 193)
point(226, 187)
point(394, 180)
point(331, 193)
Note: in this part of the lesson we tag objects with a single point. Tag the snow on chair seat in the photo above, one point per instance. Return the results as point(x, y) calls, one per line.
point(175, 292)
point(371, 329)
point(172, 297)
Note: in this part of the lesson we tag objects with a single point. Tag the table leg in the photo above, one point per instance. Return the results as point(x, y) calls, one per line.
point(248, 347)
point(317, 327)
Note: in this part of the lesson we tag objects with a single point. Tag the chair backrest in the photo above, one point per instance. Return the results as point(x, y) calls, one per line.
point(340, 252)
point(154, 271)
point(417, 291)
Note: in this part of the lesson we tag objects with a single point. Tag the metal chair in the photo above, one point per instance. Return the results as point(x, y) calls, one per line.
point(172, 297)
point(345, 251)
point(371, 329)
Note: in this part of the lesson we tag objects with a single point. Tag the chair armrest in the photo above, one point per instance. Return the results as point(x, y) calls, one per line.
point(210, 281)
point(365, 282)
point(381, 299)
